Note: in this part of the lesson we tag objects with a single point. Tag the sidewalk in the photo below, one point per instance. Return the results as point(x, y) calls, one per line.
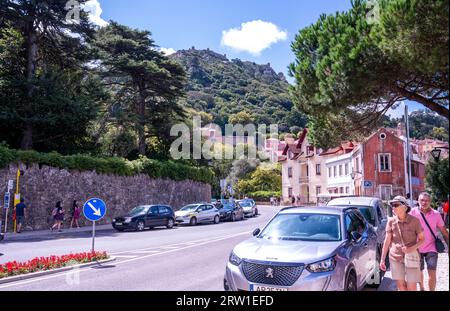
point(44, 234)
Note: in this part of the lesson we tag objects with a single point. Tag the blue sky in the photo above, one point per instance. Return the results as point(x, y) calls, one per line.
point(255, 30)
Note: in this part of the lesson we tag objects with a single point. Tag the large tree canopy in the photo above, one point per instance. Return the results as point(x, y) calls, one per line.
point(147, 83)
point(357, 68)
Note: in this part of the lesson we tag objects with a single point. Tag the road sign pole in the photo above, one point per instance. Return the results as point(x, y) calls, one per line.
point(93, 236)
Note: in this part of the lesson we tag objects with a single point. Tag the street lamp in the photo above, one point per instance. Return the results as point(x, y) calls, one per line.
point(436, 154)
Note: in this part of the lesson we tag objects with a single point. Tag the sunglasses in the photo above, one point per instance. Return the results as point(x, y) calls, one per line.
point(395, 205)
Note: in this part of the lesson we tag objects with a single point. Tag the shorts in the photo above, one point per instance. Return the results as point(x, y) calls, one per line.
point(402, 273)
point(431, 259)
point(20, 219)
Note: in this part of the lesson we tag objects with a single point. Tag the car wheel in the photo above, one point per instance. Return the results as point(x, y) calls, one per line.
point(140, 226)
point(193, 221)
point(216, 219)
point(350, 284)
point(170, 223)
point(233, 217)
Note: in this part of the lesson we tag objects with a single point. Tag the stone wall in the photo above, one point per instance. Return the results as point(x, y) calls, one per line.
point(43, 186)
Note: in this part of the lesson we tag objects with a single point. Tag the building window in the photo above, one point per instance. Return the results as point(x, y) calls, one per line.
point(329, 172)
point(385, 162)
point(335, 171)
point(346, 169)
point(347, 190)
point(290, 192)
point(341, 190)
point(318, 190)
point(307, 171)
point(340, 170)
point(290, 172)
point(318, 170)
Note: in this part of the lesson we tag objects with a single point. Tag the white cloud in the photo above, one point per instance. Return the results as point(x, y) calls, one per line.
point(95, 10)
point(167, 51)
point(253, 37)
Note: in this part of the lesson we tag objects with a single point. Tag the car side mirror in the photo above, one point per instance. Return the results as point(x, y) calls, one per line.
point(356, 236)
point(256, 232)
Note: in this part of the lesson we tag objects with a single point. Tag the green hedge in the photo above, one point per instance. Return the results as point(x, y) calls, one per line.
point(117, 166)
point(264, 195)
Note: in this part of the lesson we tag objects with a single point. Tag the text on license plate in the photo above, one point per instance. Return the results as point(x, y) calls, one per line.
point(263, 288)
point(119, 224)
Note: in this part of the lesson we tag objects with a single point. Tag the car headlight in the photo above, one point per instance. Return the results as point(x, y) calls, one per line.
point(235, 260)
point(128, 219)
point(322, 266)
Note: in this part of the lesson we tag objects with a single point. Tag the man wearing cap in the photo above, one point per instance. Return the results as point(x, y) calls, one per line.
point(428, 252)
point(404, 235)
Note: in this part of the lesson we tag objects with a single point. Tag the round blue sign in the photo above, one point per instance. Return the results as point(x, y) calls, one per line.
point(94, 209)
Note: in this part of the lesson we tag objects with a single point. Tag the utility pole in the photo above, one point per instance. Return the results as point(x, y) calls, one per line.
point(408, 152)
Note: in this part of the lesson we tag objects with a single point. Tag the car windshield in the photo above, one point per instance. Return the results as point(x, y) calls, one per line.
point(368, 213)
point(227, 206)
point(245, 204)
point(303, 227)
point(189, 208)
point(139, 210)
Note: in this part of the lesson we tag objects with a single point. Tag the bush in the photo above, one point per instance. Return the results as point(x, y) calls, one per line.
point(116, 166)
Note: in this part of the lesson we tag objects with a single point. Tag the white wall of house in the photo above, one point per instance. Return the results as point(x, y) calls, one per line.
point(290, 182)
point(339, 169)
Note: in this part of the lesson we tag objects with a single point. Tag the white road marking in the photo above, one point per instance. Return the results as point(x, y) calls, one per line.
point(125, 256)
point(120, 262)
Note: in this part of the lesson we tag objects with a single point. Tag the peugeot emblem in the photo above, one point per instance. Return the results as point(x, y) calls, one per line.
point(269, 273)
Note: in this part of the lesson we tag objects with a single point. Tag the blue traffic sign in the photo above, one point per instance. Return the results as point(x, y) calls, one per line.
point(6, 201)
point(368, 184)
point(94, 209)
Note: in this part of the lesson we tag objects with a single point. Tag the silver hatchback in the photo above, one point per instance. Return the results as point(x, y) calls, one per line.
point(306, 249)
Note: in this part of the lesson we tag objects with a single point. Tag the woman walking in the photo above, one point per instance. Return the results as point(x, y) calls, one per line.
point(76, 213)
point(404, 235)
point(58, 216)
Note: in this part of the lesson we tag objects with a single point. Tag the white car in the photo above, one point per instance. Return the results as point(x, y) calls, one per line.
point(249, 207)
point(193, 214)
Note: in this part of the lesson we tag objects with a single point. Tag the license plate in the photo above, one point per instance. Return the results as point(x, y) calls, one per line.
point(264, 288)
point(119, 224)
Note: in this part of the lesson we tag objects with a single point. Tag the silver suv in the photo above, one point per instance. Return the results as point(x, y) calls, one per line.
point(306, 249)
point(197, 213)
point(372, 210)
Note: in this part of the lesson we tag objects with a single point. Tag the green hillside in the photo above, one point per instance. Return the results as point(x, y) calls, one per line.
point(224, 87)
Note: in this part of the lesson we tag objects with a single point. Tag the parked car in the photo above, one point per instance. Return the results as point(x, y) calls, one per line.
point(306, 249)
point(250, 209)
point(197, 213)
point(145, 216)
point(372, 210)
point(231, 211)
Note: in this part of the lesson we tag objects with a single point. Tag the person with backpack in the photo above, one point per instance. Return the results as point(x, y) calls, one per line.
point(432, 223)
point(58, 216)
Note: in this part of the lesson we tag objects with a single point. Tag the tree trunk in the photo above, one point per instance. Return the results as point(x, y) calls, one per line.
point(441, 110)
point(141, 125)
point(32, 56)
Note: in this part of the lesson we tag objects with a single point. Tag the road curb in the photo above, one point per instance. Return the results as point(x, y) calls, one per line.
point(27, 276)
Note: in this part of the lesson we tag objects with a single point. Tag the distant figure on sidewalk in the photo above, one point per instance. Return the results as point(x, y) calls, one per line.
point(58, 216)
point(76, 213)
point(293, 200)
point(445, 210)
point(20, 214)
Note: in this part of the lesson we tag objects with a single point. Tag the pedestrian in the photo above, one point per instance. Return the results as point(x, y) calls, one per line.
point(76, 213)
point(432, 222)
point(58, 216)
point(445, 210)
point(404, 235)
point(293, 200)
point(20, 214)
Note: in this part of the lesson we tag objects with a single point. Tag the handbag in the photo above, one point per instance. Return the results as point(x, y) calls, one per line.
point(412, 260)
point(440, 247)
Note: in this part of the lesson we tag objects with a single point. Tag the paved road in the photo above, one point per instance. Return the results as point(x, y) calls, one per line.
point(182, 259)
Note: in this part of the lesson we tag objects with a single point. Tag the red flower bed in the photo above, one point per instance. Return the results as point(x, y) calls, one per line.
point(48, 263)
